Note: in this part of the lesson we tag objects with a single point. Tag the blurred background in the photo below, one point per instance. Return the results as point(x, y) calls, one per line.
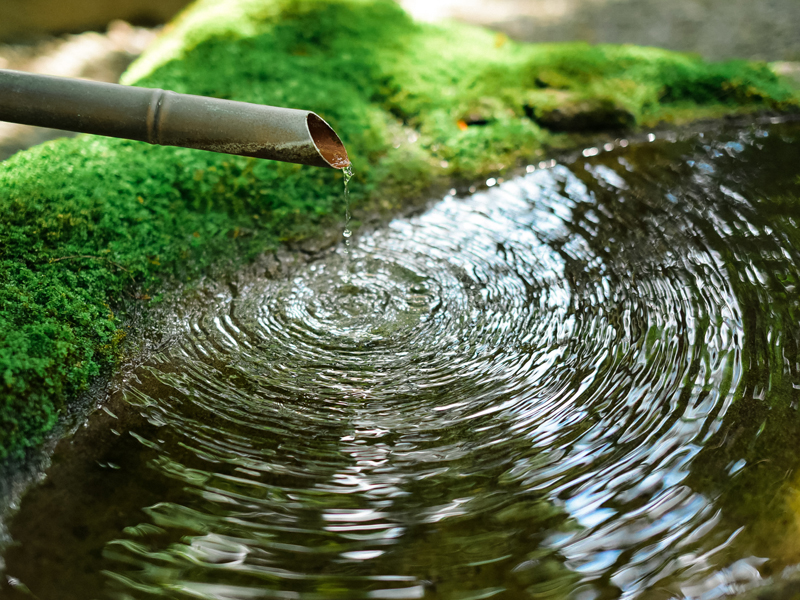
point(98, 39)
point(766, 30)
point(717, 29)
point(23, 20)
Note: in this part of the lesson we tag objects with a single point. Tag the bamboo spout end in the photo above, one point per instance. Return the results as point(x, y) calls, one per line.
point(328, 144)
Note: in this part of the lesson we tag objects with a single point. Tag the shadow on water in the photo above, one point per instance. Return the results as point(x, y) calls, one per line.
point(580, 383)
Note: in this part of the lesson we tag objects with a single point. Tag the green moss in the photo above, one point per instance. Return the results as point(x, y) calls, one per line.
point(87, 220)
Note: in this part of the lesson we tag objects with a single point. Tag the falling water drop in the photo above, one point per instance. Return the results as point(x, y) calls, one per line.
point(348, 175)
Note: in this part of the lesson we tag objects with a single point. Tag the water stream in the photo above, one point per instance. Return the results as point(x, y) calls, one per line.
point(347, 173)
point(579, 383)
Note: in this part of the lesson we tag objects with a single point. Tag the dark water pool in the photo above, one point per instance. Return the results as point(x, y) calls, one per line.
point(581, 383)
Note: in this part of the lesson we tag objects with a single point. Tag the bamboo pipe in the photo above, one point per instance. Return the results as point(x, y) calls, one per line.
point(170, 119)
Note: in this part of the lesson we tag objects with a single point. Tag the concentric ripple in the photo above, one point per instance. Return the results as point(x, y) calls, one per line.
point(572, 384)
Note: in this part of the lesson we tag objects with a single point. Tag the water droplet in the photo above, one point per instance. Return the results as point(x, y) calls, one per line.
point(348, 175)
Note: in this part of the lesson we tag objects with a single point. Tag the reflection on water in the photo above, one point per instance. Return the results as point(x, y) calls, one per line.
point(580, 383)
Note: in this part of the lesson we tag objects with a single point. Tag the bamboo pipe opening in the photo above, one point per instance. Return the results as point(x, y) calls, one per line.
point(328, 144)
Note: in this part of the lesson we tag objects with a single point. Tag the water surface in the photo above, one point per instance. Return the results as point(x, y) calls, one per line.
point(579, 383)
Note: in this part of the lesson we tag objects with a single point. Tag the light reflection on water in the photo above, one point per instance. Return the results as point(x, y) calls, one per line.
point(524, 393)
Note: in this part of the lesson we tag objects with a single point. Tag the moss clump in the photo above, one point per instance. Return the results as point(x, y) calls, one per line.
point(86, 220)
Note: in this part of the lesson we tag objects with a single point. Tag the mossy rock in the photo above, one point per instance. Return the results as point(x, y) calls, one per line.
point(565, 112)
point(87, 221)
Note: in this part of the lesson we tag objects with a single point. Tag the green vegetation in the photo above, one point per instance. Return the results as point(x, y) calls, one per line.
point(87, 220)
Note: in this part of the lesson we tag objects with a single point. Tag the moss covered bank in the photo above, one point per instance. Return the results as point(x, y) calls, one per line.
point(86, 221)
